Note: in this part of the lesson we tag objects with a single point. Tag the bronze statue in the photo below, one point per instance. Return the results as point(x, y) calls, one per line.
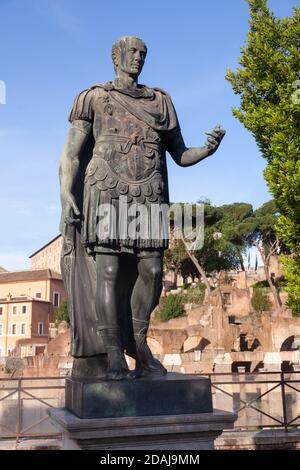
point(115, 157)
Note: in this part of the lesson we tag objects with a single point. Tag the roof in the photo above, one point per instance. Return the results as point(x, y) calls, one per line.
point(33, 340)
point(22, 299)
point(30, 275)
point(45, 246)
point(2, 270)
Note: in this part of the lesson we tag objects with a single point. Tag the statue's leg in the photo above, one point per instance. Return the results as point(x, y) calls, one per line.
point(107, 314)
point(145, 298)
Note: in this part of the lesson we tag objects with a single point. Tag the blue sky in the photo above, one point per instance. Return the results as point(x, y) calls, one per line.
point(52, 49)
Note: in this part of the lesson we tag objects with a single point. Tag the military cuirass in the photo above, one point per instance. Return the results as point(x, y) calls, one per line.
point(128, 157)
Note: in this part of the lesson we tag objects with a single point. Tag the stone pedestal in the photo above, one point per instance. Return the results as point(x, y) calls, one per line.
point(173, 432)
point(173, 412)
point(173, 394)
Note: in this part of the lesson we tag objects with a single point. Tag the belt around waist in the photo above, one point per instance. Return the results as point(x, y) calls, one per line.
point(126, 142)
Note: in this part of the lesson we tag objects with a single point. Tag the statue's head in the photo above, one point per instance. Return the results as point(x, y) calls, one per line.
point(128, 55)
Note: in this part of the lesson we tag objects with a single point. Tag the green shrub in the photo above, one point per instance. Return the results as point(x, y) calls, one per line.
point(170, 307)
point(195, 295)
point(260, 301)
point(280, 284)
point(261, 284)
point(62, 314)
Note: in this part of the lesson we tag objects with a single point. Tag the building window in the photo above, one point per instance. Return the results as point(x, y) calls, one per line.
point(38, 295)
point(23, 329)
point(15, 310)
point(40, 328)
point(1, 310)
point(56, 299)
point(1, 329)
point(14, 329)
point(24, 309)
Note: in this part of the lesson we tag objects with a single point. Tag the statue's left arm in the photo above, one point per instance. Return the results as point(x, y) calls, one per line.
point(185, 156)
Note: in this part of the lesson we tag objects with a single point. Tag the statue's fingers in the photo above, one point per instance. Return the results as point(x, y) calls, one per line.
point(212, 141)
point(69, 220)
point(75, 208)
point(219, 129)
point(212, 133)
point(221, 132)
point(70, 217)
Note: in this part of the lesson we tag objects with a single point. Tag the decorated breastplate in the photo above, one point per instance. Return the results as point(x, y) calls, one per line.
point(127, 160)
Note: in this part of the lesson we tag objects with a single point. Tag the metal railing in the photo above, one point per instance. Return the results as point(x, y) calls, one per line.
point(24, 403)
point(251, 391)
point(261, 400)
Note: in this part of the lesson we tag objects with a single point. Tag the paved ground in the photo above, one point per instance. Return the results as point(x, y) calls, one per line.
point(266, 439)
point(30, 444)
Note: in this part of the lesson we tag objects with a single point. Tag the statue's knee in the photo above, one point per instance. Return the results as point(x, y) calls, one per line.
point(110, 272)
point(154, 273)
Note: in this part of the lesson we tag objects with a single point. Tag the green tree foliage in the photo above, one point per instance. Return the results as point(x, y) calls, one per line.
point(266, 82)
point(223, 252)
point(259, 230)
point(62, 314)
point(175, 259)
point(230, 217)
point(218, 253)
point(259, 227)
point(238, 226)
point(260, 301)
point(292, 277)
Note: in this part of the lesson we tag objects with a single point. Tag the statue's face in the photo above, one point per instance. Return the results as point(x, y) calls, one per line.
point(132, 56)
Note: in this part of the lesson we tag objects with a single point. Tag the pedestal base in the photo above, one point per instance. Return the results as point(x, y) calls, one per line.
point(173, 394)
point(172, 412)
point(179, 432)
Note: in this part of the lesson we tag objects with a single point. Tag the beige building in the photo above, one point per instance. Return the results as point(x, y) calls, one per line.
point(48, 257)
point(28, 300)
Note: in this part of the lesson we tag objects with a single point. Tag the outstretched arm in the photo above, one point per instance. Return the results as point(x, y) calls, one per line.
point(68, 169)
point(184, 156)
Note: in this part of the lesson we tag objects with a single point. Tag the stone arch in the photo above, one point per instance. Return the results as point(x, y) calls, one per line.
point(287, 344)
point(247, 342)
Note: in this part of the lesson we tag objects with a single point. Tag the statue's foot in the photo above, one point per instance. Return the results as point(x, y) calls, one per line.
point(93, 367)
point(117, 368)
point(146, 364)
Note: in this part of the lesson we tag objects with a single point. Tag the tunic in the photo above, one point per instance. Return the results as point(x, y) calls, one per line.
point(125, 184)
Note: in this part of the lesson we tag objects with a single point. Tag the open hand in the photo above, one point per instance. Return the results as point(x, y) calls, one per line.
point(214, 139)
